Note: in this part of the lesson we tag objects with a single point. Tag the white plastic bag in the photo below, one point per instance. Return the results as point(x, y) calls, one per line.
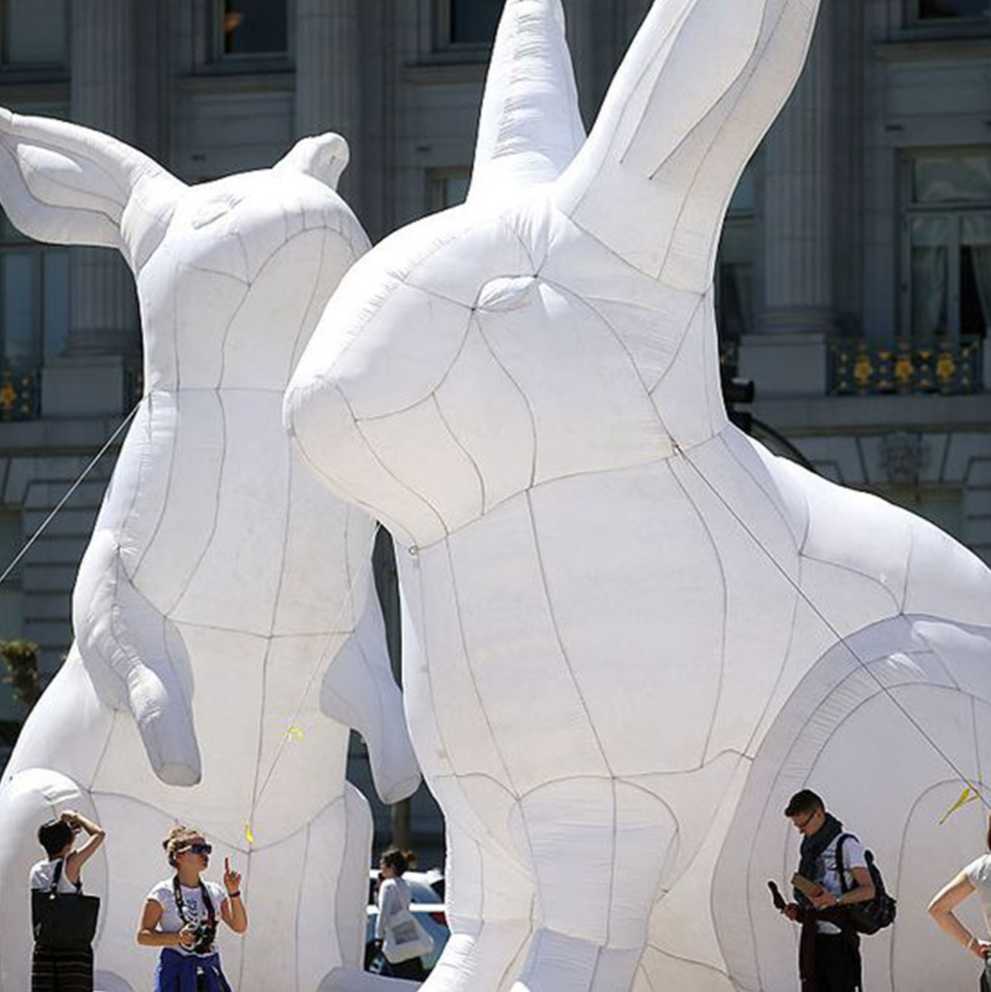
point(405, 938)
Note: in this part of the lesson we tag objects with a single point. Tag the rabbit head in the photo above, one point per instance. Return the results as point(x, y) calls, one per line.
point(561, 321)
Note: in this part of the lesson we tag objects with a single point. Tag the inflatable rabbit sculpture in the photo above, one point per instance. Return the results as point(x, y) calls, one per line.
point(227, 631)
point(610, 593)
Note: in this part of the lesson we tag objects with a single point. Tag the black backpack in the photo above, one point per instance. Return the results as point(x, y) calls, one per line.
point(867, 917)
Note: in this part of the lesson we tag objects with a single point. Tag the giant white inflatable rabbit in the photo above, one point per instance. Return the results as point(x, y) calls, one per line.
point(227, 631)
point(613, 598)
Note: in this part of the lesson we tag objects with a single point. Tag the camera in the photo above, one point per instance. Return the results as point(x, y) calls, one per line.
point(205, 934)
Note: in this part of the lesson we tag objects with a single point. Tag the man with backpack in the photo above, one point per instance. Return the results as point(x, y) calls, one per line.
point(833, 875)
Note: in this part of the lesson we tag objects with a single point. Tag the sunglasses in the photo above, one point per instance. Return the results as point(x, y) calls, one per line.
point(199, 848)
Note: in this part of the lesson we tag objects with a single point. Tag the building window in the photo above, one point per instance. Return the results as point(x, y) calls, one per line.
point(34, 34)
point(253, 27)
point(34, 299)
point(950, 10)
point(447, 187)
point(735, 262)
point(467, 23)
point(947, 246)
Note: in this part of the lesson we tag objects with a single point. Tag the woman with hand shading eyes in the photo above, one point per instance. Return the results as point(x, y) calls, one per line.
point(63, 969)
point(181, 915)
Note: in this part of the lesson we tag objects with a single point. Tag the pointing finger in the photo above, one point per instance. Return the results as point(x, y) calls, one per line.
point(227, 865)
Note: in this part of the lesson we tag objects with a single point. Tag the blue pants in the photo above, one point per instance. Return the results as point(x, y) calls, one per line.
point(189, 973)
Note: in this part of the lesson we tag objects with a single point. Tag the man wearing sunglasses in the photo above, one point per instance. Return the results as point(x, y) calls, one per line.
point(834, 874)
point(181, 915)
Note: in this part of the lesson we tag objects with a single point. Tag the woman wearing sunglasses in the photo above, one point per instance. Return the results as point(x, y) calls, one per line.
point(181, 916)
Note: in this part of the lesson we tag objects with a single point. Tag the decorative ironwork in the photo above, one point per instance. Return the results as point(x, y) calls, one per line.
point(861, 369)
point(904, 456)
point(20, 394)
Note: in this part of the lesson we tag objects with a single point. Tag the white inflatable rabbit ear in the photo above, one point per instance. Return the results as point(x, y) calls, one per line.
point(323, 157)
point(700, 86)
point(67, 184)
point(530, 127)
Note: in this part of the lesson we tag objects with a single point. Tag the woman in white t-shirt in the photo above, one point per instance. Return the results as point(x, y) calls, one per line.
point(976, 877)
point(181, 916)
point(63, 969)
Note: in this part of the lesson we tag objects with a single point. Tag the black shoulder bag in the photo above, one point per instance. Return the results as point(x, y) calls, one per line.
point(867, 917)
point(63, 920)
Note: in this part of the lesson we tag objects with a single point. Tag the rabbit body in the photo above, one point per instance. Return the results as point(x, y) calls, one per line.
point(226, 625)
point(610, 593)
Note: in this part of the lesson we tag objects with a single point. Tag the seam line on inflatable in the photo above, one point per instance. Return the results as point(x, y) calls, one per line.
point(474, 679)
point(724, 617)
point(167, 491)
point(557, 634)
point(526, 401)
point(465, 452)
point(176, 604)
point(679, 347)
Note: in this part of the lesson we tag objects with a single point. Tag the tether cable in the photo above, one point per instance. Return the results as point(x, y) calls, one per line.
point(843, 640)
point(65, 499)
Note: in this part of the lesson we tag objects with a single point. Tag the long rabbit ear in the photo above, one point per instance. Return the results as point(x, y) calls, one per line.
point(67, 184)
point(530, 127)
point(699, 88)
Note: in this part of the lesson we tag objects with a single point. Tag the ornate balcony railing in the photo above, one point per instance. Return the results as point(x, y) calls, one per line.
point(20, 394)
point(861, 369)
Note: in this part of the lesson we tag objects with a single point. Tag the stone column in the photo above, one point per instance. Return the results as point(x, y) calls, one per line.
point(798, 199)
point(585, 34)
point(328, 79)
point(104, 337)
point(788, 353)
point(104, 97)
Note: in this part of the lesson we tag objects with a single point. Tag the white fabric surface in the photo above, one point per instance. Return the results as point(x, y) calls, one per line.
point(227, 633)
point(614, 601)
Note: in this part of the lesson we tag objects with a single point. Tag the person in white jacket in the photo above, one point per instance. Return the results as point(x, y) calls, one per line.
point(394, 898)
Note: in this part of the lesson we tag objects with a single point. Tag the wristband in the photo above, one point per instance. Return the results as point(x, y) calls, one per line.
point(234, 895)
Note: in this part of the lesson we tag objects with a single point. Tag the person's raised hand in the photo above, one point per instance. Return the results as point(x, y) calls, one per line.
point(981, 949)
point(232, 879)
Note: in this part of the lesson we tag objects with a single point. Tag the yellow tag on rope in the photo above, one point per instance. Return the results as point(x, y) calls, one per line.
point(249, 835)
point(295, 733)
point(966, 797)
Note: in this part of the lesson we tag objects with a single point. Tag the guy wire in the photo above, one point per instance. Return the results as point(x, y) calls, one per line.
point(65, 499)
point(843, 640)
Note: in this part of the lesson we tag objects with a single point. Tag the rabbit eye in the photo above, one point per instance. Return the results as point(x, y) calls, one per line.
point(506, 293)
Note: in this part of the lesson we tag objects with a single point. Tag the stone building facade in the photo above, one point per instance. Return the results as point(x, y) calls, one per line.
point(854, 279)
